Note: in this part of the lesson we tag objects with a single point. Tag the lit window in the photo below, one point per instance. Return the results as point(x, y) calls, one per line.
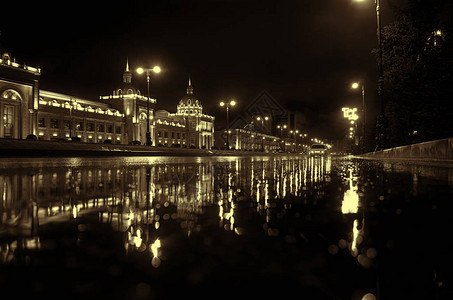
point(54, 123)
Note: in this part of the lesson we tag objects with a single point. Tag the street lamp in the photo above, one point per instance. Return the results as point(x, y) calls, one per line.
point(156, 70)
point(73, 102)
point(381, 119)
point(231, 103)
point(262, 120)
point(356, 85)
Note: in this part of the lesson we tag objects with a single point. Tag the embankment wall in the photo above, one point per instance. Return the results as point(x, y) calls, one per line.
point(432, 150)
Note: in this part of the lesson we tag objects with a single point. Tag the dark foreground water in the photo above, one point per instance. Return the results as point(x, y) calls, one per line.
point(225, 228)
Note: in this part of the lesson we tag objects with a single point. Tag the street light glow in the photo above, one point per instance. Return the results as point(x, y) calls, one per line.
point(232, 103)
point(155, 69)
point(355, 85)
point(222, 103)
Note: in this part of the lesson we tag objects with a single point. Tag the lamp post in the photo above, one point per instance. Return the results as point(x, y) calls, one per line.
point(73, 102)
point(356, 85)
point(227, 105)
point(140, 70)
point(382, 122)
point(281, 127)
point(294, 133)
point(262, 119)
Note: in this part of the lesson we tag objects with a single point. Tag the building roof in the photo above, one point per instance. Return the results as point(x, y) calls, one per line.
point(190, 99)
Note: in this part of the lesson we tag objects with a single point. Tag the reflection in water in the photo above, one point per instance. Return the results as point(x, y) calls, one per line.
point(354, 213)
point(357, 237)
point(284, 221)
point(350, 204)
point(137, 198)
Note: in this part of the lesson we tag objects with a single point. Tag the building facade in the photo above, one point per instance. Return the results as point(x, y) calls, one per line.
point(120, 118)
point(137, 110)
point(251, 140)
point(19, 98)
point(188, 127)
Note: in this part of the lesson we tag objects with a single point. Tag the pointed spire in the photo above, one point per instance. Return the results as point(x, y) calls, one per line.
point(127, 75)
point(189, 87)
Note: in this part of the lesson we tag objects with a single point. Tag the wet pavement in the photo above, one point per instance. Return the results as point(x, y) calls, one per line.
point(225, 227)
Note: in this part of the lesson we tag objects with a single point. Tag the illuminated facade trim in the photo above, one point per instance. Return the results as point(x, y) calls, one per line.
point(249, 140)
point(118, 118)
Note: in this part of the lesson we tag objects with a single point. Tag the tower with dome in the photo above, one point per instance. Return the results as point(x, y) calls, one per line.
point(198, 130)
point(128, 99)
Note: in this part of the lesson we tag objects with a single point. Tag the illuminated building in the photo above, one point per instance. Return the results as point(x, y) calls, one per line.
point(129, 100)
point(119, 118)
point(250, 140)
point(188, 127)
point(19, 97)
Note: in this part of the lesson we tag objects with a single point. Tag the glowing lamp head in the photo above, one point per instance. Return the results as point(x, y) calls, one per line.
point(157, 69)
point(140, 70)
point(355, 85)
point(233, 103)
point(222, 103)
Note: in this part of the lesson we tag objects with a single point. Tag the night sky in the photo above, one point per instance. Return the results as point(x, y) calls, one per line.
point(304, 53)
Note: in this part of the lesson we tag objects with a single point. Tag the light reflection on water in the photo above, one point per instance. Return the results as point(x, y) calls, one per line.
point(306, 209)
point(130, 193)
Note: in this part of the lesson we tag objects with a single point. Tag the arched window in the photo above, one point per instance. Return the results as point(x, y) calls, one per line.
point(130, 91)
point(5, 58)
point(10, 107)
point(11, 94)
point(120, 92)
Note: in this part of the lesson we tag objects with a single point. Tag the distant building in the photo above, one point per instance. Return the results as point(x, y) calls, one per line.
point(170, 131)
point(188, 127)
point(254, 129)
point(250, 140)
point(61, 117)
point(119, 118)
point(134, 106)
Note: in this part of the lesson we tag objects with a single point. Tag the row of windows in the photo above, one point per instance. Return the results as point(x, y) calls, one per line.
point(178, 135)
point(79, 125)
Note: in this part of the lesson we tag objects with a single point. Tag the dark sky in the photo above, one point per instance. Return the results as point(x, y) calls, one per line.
point(304, 53)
